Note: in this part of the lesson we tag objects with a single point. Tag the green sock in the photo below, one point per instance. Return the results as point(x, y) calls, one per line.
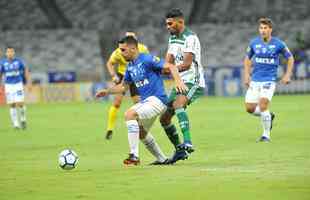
point(172, 134)
point(184, 124)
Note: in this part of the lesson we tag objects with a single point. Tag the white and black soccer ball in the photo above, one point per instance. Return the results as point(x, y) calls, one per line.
point(68, 159)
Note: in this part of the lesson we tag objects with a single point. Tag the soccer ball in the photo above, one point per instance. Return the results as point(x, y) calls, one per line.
point(68, 159)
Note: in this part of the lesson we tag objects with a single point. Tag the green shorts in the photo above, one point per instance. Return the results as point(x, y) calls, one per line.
point(194, 91)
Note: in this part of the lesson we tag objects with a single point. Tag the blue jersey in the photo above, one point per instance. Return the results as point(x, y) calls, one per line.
point(265, 58)
point(145, 72)
point(13, 70)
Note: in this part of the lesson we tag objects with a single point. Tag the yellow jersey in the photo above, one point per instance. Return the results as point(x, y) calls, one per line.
point(117, 58)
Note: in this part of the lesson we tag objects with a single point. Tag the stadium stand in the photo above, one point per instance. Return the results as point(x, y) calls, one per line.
point(42, 37)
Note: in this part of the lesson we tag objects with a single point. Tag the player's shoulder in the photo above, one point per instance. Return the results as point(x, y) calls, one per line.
point(278, 41)
point(255, 40)
point(142, 48)
point(145, 56)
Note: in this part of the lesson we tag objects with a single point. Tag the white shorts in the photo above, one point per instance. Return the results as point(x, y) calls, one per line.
point(14, 93)
point(148, 110)
point(259, 90)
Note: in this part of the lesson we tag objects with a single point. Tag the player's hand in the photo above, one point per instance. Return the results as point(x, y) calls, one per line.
point(286, 79)
point(181, 87)
point(247, 81)
point(102, 93)
point(115, 79)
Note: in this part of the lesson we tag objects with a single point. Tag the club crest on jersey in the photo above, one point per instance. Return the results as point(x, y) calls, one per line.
point(265, 60)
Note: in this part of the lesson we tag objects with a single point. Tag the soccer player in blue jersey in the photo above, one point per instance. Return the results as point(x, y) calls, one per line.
point(15, 72)
point(144, 71)
point(263, 54)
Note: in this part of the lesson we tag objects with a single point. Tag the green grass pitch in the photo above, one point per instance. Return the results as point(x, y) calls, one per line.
point(227, 163)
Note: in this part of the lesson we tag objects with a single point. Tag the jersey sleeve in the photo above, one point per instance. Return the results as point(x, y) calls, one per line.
point(127, 77)
point(285, 50)
point(171, 48)
point(250, 51)
point(155, 63)
point(114, 57)
point(143, 48)
point(191, 43)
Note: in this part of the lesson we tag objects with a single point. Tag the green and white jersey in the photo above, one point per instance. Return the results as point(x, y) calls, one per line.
point(188, 42)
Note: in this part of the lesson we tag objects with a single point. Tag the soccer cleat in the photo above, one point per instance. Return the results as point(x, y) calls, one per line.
point(157, 162)
point(108, 135)
point(263, 139)
point(272, 118)
point(132, 160)
point(179, 154)
point(187, 146)
point(23, 125)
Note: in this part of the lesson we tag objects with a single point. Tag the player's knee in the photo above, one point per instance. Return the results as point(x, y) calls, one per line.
point(250, 109)
point(142, 133)
point(130, 115)
point(263, 104)
point(164, 120)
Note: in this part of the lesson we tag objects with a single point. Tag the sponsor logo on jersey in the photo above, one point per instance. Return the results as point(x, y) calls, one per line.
point(265, 60)
point(142, 83)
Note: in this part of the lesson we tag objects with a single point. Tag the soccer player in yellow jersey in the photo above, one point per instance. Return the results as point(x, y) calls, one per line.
point(116, 66)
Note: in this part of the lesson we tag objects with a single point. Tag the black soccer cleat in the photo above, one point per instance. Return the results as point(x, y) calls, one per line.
point(263, 139)
point(132, 160)
point(157, 162)
point(187, 146)
point(273, 116)
point(23, 125)
point(109, 134)
point(179, 154)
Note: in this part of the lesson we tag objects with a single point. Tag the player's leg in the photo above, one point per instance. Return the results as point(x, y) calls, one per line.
point(267, 90)
point(10, 94)
point(146, 112)
point(112, 115)
point(20, 105)
point(251, 100)
point(150, 143)
point(179, 105)
point(131, 117)
point(21, 109)
point(14, 115)
point(169, 127)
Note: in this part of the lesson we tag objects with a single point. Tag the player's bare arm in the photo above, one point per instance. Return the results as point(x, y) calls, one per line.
point(187, 62)
point(289, 69)
point(111, 70)
point(247, 71)
point(179, 84)
point(116, 89)
point(169, 59)
point(28, 79)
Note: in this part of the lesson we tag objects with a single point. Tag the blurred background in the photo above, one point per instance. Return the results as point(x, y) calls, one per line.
point(68, 42)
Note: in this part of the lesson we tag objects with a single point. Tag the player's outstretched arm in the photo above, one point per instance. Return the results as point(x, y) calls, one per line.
point(117, 89)
point(179, 84)
point(28, 78)
point(187, 62)
point(289, 69)
point(247, 63)
point(111, 69)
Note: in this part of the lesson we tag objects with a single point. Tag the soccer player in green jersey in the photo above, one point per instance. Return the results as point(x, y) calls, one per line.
point(183, 51)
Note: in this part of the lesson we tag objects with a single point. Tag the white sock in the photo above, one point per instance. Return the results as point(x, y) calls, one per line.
point(133, 136)
point(257, 111)
point(22, 112)
point(266, 122)
point(153, 147)
point(14, 117)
